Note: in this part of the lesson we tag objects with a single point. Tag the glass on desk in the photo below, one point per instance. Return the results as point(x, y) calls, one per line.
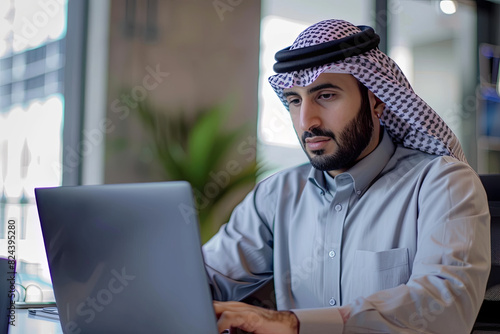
point(30, 288)
point(31, 293)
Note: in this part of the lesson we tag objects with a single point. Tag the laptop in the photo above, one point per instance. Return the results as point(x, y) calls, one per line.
point(126, 258)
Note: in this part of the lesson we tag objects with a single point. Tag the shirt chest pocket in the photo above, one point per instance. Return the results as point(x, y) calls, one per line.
point(375, 271)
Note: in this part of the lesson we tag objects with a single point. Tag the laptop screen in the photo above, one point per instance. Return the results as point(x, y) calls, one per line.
point(126, 258)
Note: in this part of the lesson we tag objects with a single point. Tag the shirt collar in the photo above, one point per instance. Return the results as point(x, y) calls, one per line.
point(362, 173)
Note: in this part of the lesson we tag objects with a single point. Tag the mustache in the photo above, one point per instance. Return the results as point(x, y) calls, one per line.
point(317, 132)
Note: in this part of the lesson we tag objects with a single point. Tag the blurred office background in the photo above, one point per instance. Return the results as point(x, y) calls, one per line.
point(115, 91)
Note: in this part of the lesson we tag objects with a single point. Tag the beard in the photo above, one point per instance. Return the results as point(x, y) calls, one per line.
point(351, 141)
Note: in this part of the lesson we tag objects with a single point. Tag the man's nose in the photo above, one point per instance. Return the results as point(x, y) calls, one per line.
point(309, 116)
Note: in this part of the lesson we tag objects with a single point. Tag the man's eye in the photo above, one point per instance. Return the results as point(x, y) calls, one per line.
point(327, 96)
point(293, 102)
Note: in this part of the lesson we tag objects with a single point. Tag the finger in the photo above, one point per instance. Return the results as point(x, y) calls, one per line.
point(229, 319)
point(220, 307)
point(248, 321)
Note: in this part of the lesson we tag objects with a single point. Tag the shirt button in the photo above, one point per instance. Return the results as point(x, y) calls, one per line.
point(358, 192)
point(338, 207)
point(333, 302)
point(331, 253)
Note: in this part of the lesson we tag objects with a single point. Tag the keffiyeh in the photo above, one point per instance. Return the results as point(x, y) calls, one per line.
point(408, 119)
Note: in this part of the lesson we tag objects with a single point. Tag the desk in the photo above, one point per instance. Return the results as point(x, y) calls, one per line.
point(25, 323)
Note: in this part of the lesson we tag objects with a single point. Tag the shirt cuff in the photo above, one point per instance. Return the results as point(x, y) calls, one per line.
point(319, 320)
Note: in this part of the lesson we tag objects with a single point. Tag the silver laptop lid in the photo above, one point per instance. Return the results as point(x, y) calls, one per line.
point(126, 258)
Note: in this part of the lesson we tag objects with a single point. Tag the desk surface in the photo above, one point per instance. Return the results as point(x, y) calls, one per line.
point(25, 323)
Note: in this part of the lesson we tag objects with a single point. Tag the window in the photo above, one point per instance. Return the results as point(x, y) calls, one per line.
point(31, 118)
point(434, 43)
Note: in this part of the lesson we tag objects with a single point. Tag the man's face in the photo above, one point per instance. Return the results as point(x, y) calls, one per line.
point(334, 124)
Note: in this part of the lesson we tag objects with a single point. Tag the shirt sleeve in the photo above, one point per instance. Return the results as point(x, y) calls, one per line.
point(239, 258)
point(321, 320)
point(450, 268)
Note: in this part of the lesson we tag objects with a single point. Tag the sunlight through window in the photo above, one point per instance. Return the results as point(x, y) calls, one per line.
point(31, 119)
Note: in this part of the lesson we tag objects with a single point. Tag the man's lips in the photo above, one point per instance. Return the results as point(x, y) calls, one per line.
point(317, 143)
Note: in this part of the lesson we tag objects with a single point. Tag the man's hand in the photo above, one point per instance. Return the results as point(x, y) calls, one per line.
point(254, 319)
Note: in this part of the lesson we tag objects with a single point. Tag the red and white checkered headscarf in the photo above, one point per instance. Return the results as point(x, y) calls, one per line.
point(408, 119)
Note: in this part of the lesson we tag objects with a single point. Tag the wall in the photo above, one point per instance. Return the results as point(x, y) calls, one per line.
point(208, 58)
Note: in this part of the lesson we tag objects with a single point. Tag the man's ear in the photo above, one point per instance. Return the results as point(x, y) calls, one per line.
point(376, 104)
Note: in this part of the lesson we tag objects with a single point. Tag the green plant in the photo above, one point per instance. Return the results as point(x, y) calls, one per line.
point(193, 149)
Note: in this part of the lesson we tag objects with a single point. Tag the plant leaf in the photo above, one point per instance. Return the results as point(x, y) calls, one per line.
point(201, 143)
point(193, 149)
point(246, 176)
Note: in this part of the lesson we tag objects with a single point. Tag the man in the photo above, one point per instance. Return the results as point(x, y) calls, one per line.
point(385, 231)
